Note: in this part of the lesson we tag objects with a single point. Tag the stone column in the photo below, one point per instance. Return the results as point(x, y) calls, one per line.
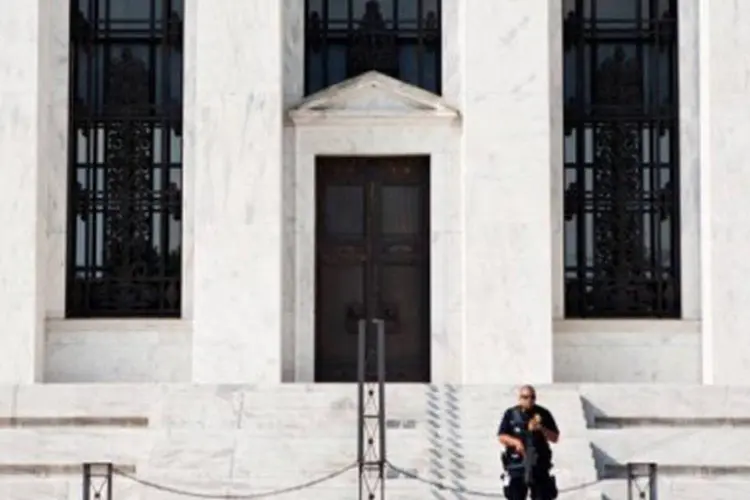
point(22, 193)
point(511, 95)
point(236, 118)
point(725, 184)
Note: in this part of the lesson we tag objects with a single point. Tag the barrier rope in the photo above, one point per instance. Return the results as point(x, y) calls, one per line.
point(235, 496)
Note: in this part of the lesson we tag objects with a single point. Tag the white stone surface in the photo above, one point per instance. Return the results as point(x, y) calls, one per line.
point(213, 439)
point(507, 158)
point(690, 158)
point(375, 99)
point(674, 447)
point(677, 401)
point(54, 165)
point(124, 351)
point(24, 107)
point(244, 248)
point(680, 488)
point(237, 195)
point(627, 351)
point(243, 438)
point(725, 180)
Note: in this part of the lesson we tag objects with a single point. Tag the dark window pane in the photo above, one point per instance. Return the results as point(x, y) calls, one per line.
point(401, 209)
point(345, 211)
point(345, 38)
point(621, 161)
point(125, 195)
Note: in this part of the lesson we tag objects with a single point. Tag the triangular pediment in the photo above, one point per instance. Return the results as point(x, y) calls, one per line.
point(371, 96)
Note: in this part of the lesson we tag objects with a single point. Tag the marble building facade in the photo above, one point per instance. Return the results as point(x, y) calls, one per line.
point(492, 130)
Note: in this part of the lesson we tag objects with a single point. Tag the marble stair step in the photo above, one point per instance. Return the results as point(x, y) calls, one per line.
point(674, 446)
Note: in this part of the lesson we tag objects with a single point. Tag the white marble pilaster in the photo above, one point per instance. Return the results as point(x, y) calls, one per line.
point(507, 159)
point(725, 184)
point(190, 114)
point(294, 86)
point(453, 30)
point(689, 158)
point(54, 74)
point(23, 107)
point(237, 118)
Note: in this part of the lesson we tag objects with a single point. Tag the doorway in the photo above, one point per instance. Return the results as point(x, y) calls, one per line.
point(372, 265)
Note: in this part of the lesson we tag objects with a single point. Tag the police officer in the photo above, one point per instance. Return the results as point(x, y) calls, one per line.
point(528, 428)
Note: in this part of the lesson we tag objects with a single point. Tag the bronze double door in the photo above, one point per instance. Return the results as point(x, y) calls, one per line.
point(372, 266)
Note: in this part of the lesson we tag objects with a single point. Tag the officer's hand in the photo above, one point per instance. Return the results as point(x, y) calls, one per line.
point(520, 447)
point(535, 423)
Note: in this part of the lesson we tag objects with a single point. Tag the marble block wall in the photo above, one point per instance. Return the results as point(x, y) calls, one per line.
point(507, 158)
point(118, 351)
point(666, 352)
point(24, 107)
point(725, 183)
point(245, 314)
point(237, 163)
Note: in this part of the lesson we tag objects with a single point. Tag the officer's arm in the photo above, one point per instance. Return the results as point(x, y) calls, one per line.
point(510, 441)
point(505, 434)
point(549, 428)
point(551, 436)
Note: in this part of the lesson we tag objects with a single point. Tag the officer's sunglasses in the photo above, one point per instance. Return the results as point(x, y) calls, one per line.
point(528, 396)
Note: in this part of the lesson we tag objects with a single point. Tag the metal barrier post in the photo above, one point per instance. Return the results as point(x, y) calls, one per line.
point(652, 481)
point(631, 480)
point(371, 446)
point(380, 324)
point(97, 481)
point(361, 398)
point(636, 471)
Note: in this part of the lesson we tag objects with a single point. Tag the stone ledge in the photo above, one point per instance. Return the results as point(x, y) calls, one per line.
point(603, 422)
point(43, 470)
point(37, 422)
point(619, 471)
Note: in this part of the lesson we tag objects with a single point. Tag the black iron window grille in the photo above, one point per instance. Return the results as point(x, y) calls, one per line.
point(621, 159)
point(125, 176)
point(345, 38)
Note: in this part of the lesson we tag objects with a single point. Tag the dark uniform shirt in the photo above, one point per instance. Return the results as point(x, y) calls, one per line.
point(508, 425)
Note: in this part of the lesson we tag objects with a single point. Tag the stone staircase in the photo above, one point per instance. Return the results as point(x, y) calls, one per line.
point(245, 439)
point(574, 464)
point(697, 435)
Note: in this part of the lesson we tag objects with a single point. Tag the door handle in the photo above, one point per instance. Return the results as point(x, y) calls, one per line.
point(354, 313)
point(390, 315)
point(380, 342)
point(361, 353)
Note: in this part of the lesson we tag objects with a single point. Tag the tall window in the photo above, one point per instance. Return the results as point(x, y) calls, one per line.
point(621, 161)
point(345, 38)
point(125, 182)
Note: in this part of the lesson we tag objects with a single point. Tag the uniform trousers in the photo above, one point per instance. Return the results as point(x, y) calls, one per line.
point(542, 487)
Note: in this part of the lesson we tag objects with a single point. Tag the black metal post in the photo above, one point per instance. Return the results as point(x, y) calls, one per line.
point(631, 480)
point(361, 421)
point(636, 471)
point(371, 446)
point(97, 481)
point(652, 481)
point(381, 403)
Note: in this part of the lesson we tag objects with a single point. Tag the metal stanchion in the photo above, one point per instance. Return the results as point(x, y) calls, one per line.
point(638, 471)
point(371, 446)
point(97, 481)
